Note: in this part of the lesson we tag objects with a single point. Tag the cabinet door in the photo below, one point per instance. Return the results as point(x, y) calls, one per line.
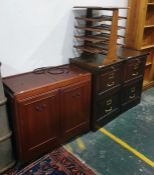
point(39, 125)
point(75, 109)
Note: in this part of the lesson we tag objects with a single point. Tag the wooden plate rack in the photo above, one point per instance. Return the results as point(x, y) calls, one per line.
point(99, 38)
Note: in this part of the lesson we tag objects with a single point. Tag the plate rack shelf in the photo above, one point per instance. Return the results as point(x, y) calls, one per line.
point(100, 31)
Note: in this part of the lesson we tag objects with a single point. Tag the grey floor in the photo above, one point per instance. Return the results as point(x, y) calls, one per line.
point(135, 128)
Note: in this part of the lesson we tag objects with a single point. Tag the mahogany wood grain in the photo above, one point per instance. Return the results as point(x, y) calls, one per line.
point(75, 109)
point(47, 109)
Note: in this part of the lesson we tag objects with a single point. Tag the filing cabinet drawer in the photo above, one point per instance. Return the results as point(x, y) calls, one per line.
point(131, 93)
point(108, 105)
point(108, 79)
point(134, 68)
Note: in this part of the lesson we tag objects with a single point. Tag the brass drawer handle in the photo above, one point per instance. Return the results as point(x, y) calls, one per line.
point(78, 94)
point(133, 89)
point(40, 107)
point(111, 76)
point(136, 66)
point(108, 110)
point(138, 61)
point(113, 68)
point(135, 74)
point(109, 102)
point(112, 84)
point(132, 96)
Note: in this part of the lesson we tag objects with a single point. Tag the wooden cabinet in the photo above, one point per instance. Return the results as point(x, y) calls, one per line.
point(116, 85)
point(47, 107)
point(140, 33)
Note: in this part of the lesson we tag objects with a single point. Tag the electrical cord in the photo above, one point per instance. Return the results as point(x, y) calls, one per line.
point(51, 70)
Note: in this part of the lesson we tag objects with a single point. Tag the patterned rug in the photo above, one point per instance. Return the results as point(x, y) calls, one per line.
point(58, 162)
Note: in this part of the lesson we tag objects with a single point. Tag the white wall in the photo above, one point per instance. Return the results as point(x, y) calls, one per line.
point(36, 33)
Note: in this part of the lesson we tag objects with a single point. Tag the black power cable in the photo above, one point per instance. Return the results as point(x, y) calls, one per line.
point(51, 70)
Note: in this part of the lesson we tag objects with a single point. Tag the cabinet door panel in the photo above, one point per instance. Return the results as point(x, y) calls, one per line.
point(75, 109)
point(39, 118)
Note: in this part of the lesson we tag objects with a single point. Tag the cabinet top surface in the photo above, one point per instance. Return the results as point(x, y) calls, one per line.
point(57, 76)
point(100, 61)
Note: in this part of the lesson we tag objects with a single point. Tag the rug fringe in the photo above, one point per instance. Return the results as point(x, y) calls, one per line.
point(77, 157)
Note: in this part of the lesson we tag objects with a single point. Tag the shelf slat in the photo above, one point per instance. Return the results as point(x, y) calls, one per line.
point(95, 19)
point(149, 26)
point(150, 3)
point(107, 26)
point(107, 35)
point(99, 18)
point(92, 38)
point(91, 49)
point(99, 28)
point(148, 64)
point(92, 29)
point(147, 46)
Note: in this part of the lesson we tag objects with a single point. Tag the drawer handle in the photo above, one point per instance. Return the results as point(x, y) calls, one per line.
point(113, 68)
point(78, 94)
point(40, 108)
point(138, 61)
point(111, 77)
point(132, 89)
point(109, 102)
point(132, 96)
point(136, 66)
point(112, 84)
point(108, 110)
point(135, 74)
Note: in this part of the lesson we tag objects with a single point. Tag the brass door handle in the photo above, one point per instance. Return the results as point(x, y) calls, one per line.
point(78, 94)
point(108, 110)
point(40, 107)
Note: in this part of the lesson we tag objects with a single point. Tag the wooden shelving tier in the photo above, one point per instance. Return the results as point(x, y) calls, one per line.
point(99, 36)
point(140, 33)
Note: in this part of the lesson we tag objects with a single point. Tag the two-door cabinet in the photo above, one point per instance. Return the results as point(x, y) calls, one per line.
point(47, 107)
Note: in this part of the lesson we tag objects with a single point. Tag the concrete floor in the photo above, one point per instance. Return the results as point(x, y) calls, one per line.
point(124, 146)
